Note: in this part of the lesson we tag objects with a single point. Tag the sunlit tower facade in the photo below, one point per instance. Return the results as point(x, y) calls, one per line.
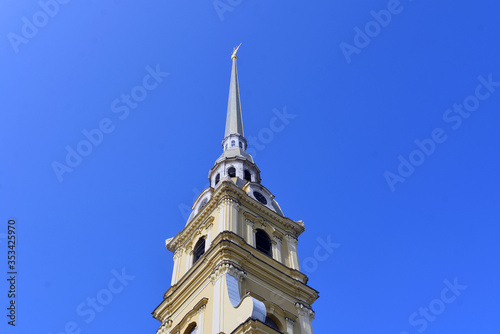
point(236, 266)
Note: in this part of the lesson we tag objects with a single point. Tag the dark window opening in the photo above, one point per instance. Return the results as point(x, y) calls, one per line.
point(191, 329)
point(231, 172)
point(270, 322)
point(232, 143)
point(241, 144)
point(217, 179)
point(203, 203)
point(199, 250)
point(248, 176)
point(263, 243)
point(259, 197)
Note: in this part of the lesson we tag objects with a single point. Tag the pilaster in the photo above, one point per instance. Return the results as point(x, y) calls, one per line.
point(189, 258)
point(277, 248)
point(292, 251)
point(306, 316)
point(289, 325)
point(250, 235)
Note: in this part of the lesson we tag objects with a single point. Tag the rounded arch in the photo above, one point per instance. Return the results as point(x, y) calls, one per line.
point(273, 322)
point(191, 328)
point(217, 178)
point(202, 204)
point(263, 242)
point(231, 171)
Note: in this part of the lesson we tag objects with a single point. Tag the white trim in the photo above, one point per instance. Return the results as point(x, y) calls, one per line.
point(193, 297)
point(267, 286)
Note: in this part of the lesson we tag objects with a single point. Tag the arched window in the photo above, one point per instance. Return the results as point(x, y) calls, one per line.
point(198, 250)
point(241, 144)
point(263, 242)
point(191, 329)
point(248, 176)
point(217, 178)
point(202, 204)
point(231, 172)
point(232, 143)
point(271, 323)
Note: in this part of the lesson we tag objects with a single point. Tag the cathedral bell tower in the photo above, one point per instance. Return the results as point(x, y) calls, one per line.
point(236, 267)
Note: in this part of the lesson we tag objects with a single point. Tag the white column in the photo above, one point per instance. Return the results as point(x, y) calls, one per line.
point(218, 302)
point(289, 325)
point(189, 258)
point(208, 240)
point(229, 215)
point(250, 233)
point(201, 318)
point(292, 252)
point(306, 316)
point(277, 248)
point(222, 216)
point(175, 271)
point(234, 208)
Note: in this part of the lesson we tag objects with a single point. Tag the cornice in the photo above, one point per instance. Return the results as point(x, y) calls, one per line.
point(166, 325)
point(228, 191)
point(227, 267)
point(229, 249)
point(305, 310)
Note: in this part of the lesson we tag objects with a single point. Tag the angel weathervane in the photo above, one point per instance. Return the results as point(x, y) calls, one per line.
point(233, 55)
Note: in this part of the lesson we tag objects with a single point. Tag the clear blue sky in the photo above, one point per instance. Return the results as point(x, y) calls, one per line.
point(369, 98)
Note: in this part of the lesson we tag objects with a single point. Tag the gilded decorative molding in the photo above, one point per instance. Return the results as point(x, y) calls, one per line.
point(165, 327)
point(292, 239)
point(229, 200)
point(248, 215)
point(226, 268)
point(304, 310)
point(178, 253)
